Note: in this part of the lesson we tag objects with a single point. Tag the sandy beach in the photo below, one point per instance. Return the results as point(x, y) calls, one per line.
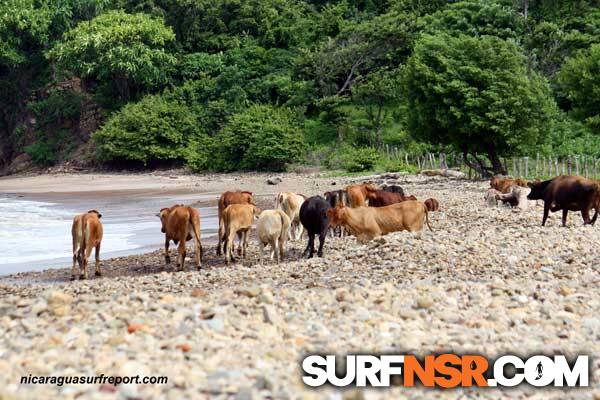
point(485, 280)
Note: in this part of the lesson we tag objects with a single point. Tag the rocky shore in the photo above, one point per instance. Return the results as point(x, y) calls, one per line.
point(485, 280)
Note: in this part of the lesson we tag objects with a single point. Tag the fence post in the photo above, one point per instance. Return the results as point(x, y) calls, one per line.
point(526, 167)
point(537, 164)
point(576, 165)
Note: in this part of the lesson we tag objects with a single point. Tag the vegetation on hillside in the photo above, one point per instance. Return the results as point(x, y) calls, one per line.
point(262, 84)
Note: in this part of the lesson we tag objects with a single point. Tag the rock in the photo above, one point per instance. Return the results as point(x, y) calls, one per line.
point(199, 292)
point(341, 294)
point(270, 315)
point(424, 302)
point(274, 180)
point(251, 291)
point(565, 290)
point(132, 328)
point(184, 347)
point(59, 303)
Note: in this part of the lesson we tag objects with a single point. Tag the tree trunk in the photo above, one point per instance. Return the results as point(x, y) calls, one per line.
point(497, 167)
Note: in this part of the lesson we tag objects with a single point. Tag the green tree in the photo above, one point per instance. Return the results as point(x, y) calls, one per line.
point(376, 94)
point(580, 80)
point(476, 95)
point(152, 130)
point(476, 18)
point(127, 50)
point(262, 137)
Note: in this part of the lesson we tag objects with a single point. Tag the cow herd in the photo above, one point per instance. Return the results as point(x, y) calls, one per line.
point(362, 210)
point(563, 193)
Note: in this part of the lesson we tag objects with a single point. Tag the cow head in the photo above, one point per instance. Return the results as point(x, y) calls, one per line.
point(256, 211)
point(336, 215)
point(538, 189)
point(495, 183)
point(164, 212)
point(95, 212)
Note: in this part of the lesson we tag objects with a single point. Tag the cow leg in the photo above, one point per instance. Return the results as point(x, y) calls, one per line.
point(546, 210)
point(76, 259)
point(593, 221)
point(228, 248)
point(221, 233)
point(167, 258)
point(97, 254)
point(585, 214)
point(310, 248)
point(273, 245)
point(281, 243)
point(181, 249)
point(564, 217)
point(240, 249)
point(322, 237)
point(86, 255)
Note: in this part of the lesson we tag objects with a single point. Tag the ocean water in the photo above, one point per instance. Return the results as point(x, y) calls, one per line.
point(36, 235)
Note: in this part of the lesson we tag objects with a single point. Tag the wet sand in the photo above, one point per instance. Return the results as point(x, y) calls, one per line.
point(128, 203)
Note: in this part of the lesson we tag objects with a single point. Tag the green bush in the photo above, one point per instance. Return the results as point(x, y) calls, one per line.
point(45, 151)
point(262, 137)
point(354, 159)
point(155, 129)
point(397, 165)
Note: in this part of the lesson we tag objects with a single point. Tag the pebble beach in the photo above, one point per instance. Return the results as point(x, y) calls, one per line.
point(485, 280)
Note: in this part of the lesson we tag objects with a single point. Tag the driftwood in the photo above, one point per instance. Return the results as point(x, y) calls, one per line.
point(449, 173)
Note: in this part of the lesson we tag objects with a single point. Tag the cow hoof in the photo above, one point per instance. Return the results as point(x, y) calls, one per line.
point(82, 277)
point(98, 273)
point(73, 277)
point(168, 260)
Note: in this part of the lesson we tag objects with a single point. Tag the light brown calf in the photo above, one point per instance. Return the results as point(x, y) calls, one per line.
point(87, 234)
point(225, 200)
point(238, 220)
point(181, 223)
point(290, 203)
point(273, 227)
point(358, 194)
point(367, 223)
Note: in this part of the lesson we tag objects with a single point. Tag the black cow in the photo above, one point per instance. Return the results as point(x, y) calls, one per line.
point(313, 216)
point(567, 193)
point(393, 189)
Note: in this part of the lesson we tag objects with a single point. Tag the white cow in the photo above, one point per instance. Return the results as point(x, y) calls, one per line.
point(273, 227)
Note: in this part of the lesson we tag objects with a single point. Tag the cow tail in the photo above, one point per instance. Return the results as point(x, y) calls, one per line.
point(83, 247)
point(427, 217)
point(196, 228)
point(286, 226)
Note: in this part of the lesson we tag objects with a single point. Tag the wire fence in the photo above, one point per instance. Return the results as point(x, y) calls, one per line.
point(528, 167)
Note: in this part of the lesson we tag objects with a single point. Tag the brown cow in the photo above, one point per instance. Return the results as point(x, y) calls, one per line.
point(504, 185)
point(181, 223)
point(227, 198)
point(567, 193)
point(357, 194)
point(367, 223)
point(381, 198)
point(432, 205)
point(238, 221)
point(87, 234)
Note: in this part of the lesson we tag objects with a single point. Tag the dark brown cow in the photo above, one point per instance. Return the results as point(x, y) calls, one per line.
point(432, 205)
point(181, 223)
point(87, 234)
point(226, 199)
point(567, 193)
point(382, 198)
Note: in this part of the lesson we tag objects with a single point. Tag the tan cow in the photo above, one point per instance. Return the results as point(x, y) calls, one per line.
point(358, 194)
point(273, 227)
point(181, 223)
point(367, 223)
point(237, 220)
point(290, 203)
point(87, 234)
point(225, 200)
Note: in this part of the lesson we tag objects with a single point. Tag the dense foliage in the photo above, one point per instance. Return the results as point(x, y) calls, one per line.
point(262, 84)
